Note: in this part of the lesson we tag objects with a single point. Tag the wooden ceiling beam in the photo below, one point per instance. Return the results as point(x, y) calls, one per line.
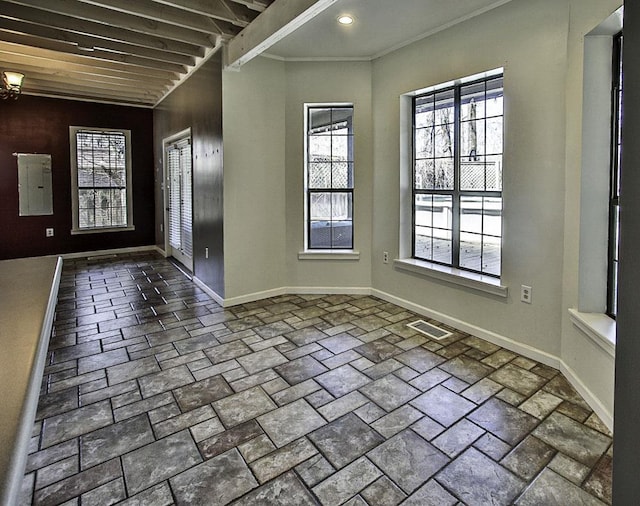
point(89, 92)
point(38, 16)
point(17, 53)
point(211, 8)
point(279, 20)
point(117, 19)
point(252, 4)
point(163, 13)
point(69, 42)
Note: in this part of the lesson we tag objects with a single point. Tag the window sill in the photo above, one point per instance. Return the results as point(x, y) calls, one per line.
point(472, 280)
point(598, 327)
point(79, 231)
point(327, 254)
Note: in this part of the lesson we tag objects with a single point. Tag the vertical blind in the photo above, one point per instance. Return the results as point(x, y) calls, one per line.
point(178, 158)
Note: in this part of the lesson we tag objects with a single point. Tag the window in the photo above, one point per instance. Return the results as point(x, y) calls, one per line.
point(329, 177)
point(614, 190)
point(101, 180)
point(457, 176)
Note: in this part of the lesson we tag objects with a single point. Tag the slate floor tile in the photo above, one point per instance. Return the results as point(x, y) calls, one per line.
point(115, 440)
point(290, 422)
point(243, 406)
point(408, 460)
point(551, 488)
point(572, 438)
point(285, 490)
point(389, 392)
point(342, 380)
point(215, 482)
point(477, 480)
point(444, 406)
point(163, 381)
point(74, 423)
point(283, 459)
point(158, 461)
point(199, 393)
point(419, 359)
point(341, 486)
point(261, 360)
point(518, 379)
point(508, 423)
point(300, 369)
point(345, 439)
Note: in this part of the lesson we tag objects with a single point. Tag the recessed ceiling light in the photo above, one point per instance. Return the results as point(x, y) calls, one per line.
point(345, 19)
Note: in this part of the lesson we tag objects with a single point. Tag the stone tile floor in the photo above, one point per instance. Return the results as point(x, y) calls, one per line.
point(155, 395)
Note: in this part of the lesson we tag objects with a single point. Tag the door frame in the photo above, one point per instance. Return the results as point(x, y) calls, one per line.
point(165, 190)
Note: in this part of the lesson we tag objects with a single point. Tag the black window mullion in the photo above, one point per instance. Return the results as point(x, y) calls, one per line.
point(455, 226)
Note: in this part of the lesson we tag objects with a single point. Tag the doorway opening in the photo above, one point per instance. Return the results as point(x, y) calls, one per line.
point(179, 198)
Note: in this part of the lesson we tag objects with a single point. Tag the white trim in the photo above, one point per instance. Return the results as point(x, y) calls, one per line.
point(590, 398)
point(219, 300)
point(598, 327)
point(467, 279)
point(329, 290)
point(329, 255)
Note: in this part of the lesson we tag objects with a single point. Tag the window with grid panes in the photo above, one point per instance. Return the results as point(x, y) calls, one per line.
point(101, 175)
point(329, 177)
point(614, 190)
point(457, 176)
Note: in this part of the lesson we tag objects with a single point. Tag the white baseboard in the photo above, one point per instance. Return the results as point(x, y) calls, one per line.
point(219, 300)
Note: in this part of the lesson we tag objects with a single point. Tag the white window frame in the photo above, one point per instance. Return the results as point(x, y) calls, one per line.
point(323, 254)
point(76, 229)
point(476, 281)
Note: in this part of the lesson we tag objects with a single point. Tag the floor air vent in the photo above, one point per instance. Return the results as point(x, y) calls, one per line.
point(429, 330)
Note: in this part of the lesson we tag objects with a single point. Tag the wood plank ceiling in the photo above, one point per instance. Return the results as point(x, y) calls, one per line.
point(121, 51)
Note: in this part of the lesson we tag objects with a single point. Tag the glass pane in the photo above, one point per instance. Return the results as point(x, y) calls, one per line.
point(443, 212)
point(320, 121)
point(444, 107)
point(320, 234)
point(319, 175)
point(494, 135)
point(472, 139)
point(425, 175)
point(444, 140)
point(494, 101)
point(442, 246)
point(491, 255)
point(424, 147)
point(340, 148)
point(341, 208)
point(342, 175)
point(492, 216)
point(423, 211)
point(320, 206)
point(424, 111)
point(341, 117)
point(423, 243)
point(473, 175)
point(472, 101)
point(471, 251)
point(471, 214)
point(341, 234)
point(493, 175)
point(444, 172)
point(319, 147)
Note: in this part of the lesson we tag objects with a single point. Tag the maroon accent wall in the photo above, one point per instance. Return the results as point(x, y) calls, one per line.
point(41, 125)
point(197, 104)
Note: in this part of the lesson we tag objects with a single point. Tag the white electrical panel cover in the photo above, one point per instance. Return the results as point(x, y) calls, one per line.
point(34, 184)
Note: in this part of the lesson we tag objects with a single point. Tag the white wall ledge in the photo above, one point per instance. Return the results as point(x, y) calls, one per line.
point(600, 328)
point(327, 254)
point(452, 275)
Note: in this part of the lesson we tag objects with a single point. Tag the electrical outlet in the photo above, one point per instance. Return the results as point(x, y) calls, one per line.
point(206, 252)
point(385, 257)
point(525, 294)
point(49, 232)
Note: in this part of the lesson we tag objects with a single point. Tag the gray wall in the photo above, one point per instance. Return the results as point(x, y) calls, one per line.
point(197, 104)
point(626, 457)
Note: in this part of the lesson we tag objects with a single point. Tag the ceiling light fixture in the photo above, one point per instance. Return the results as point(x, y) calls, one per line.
point(11, 85)
point(345, 19)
